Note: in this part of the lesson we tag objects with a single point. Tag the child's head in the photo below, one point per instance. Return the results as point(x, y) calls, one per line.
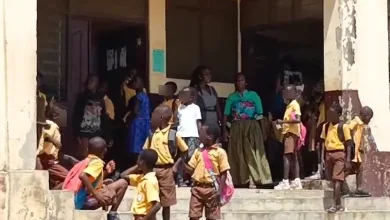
point(137, 83)
point(209, 134)
point(171, 89)
point(334, 112)
point(161, 116)
point(289, 93)
point(103, 87)
point(97, 146)
point(366, 114)
point(92, 82)
point(187, 95)
point(52, 112)
point(147, 159)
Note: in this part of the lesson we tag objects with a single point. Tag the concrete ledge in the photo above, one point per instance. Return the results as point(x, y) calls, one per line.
point(90, 215)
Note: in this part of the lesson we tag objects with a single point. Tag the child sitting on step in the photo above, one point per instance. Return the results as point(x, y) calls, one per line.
point(93, 192)
point(146, 203)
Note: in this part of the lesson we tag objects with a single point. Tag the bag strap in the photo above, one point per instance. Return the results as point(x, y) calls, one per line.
point(150, 138)
point(326, 127)
point(207, 161)
point(340, 132)
point(172, 142)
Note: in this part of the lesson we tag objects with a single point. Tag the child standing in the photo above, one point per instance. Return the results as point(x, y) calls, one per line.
point(291, 132)
point(338, 153)
point(189, 117)
point(203, 192)
point(357, 126)
point(146, 204)
point(170, 100)
point(166, 148)
point(93, 193)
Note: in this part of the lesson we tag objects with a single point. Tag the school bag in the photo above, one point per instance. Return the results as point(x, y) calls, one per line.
point(171, 142)
point(340, 134)
point(302, 134)
point(228, 191)
point(72, 181)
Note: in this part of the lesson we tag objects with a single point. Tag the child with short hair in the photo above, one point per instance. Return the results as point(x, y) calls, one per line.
point(93, 193)
point(189, 116)
point(291, 132)
point(358, 126)
point(166, 147)
point(146, 203)
point(338, 152)
point(170, 100)
point(204, 193)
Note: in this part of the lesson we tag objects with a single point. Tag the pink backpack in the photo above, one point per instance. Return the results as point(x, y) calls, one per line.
point(72, 181)
point(228, 190)
point(302, 136)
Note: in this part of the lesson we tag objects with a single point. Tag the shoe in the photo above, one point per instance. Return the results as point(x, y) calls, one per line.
point(360, 193)
point(316, 176)
point(284, 185)
point(296, 184)
point(113, 216)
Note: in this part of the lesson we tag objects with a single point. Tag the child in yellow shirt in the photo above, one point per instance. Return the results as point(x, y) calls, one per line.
point(357, 126)
point(146, 203)
point(291, 132)
point(204, 193)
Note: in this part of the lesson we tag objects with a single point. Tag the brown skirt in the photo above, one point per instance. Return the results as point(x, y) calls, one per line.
point(57, 173)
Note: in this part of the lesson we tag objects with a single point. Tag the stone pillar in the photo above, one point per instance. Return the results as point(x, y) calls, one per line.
point(157, 44)
point(22, 189)
point(356, 73)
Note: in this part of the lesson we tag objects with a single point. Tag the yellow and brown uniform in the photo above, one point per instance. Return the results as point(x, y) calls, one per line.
point(203, 183)
point(291, 132)
point(335, 150)
point(164, 164)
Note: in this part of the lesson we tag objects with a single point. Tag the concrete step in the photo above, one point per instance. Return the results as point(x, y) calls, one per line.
point(90, 215)
point(242, 197)
point(348, 215)
point(60, 205)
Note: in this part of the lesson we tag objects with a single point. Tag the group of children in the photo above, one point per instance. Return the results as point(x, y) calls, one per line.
point(153, 176)
point(340, 147)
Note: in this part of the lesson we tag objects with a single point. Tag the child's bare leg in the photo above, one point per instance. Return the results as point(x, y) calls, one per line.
point(295, 165)
point(359, 183)
point(286, 166)
point(166, 213)
point(337, 192)
point(120, 188)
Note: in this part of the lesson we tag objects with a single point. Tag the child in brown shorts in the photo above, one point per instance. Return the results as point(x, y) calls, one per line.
point(206, 189)
point(291, 132)
point(338, 153)
point(357, 126)
point(166, 168)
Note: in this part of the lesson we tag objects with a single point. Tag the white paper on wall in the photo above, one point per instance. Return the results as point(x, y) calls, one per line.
point(122, 57)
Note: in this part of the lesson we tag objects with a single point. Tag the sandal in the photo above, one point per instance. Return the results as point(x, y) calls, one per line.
point(252, 186)
point(335, 208)
point(361, 193)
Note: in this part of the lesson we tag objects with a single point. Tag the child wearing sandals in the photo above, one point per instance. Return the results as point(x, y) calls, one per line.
point(338, 153)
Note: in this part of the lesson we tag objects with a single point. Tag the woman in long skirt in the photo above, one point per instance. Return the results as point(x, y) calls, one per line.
point(248, 162)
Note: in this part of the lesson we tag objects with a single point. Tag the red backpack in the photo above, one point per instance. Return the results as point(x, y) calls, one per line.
point(72, 181)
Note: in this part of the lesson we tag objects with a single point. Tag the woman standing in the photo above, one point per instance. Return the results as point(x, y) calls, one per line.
point(246, 152)
point(138, 121)
point(207, 99)
point(89, 116)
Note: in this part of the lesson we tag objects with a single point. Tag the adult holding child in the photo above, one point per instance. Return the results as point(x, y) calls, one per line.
point(246, 151)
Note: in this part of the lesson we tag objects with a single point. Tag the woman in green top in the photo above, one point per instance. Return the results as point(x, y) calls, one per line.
point(248, 163)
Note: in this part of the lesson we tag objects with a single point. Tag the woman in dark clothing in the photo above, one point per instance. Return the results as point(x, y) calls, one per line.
point(89, 116)
point(207, 98)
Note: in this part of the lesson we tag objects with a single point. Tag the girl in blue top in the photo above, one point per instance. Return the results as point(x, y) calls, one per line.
point(246, 145)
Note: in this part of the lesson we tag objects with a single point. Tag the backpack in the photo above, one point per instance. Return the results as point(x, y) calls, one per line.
point(228, 191)
point(340, 134)
point(171, 142)
point(302, 134)
point(72, 181)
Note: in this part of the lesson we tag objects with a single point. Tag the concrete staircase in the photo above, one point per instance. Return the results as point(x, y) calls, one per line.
point(279, 205)
point(24, 195)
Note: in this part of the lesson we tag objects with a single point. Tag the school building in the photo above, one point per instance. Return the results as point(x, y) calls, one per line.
point(166, 39)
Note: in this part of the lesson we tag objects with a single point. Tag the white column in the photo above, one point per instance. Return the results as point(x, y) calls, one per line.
point(372, 58)
point(18, 46)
